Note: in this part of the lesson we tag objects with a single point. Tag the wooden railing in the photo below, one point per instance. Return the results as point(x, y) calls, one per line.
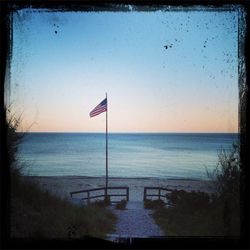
point(161, 193)
point(89, 193)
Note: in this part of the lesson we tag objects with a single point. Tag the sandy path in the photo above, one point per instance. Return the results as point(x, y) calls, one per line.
point(135, 222)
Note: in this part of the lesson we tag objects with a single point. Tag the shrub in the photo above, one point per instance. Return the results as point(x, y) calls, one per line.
point(197, 214)
point(121, 205)
point(226, 175)
point(153, 204)
point(13, 140)
point(188, 200)
point(102, 203)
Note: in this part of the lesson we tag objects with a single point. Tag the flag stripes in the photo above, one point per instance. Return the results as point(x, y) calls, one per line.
point(102, 107)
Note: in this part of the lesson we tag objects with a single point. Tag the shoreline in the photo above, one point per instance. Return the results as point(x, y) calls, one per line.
point(115, 178)
point(61, 186)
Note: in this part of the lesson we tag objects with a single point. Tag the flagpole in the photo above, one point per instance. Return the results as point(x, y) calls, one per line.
point(106, 148)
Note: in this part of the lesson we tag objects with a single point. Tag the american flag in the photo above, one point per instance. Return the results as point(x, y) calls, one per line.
point(102, 107)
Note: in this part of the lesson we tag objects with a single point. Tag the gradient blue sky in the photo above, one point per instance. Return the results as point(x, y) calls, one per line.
point(64, 62)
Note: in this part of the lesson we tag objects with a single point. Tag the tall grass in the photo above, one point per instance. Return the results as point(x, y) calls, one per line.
point(197, 213)
point(36, 213)
point(189, 214)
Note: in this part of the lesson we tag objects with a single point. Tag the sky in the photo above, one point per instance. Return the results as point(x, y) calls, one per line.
point(163, 71)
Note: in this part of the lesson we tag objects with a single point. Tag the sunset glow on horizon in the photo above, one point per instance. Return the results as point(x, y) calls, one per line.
point(163, 71)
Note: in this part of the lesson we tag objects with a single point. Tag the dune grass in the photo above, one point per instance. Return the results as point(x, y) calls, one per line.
point(207, 220)
point(187, 218)
point(197, 213)
point(36, 213)
point(153, 204)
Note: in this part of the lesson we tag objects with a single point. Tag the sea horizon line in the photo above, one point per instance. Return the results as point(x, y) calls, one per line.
point(149, 132)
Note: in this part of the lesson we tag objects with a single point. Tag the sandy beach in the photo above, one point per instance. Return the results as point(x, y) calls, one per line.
point(61, 186)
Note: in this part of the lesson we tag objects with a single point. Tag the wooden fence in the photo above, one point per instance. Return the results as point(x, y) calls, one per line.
point(161, 193)
point(91, 193)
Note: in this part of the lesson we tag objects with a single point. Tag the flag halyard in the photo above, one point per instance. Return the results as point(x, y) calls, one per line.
point(100, 108)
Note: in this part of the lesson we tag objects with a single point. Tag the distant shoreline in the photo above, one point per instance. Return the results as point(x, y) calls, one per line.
point(115, 178)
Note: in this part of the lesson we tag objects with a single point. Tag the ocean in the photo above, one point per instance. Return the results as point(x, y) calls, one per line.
point(162, 155)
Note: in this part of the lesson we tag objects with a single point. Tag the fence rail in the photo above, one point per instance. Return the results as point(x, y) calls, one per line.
point(159, 194)
point(90, 192)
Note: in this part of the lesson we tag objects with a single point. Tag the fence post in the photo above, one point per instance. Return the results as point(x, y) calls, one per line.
point(159, 194)
point(88, 196)
point(127, 192)
point(145, 192)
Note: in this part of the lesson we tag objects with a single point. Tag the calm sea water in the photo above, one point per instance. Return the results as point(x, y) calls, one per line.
point(164, 155)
